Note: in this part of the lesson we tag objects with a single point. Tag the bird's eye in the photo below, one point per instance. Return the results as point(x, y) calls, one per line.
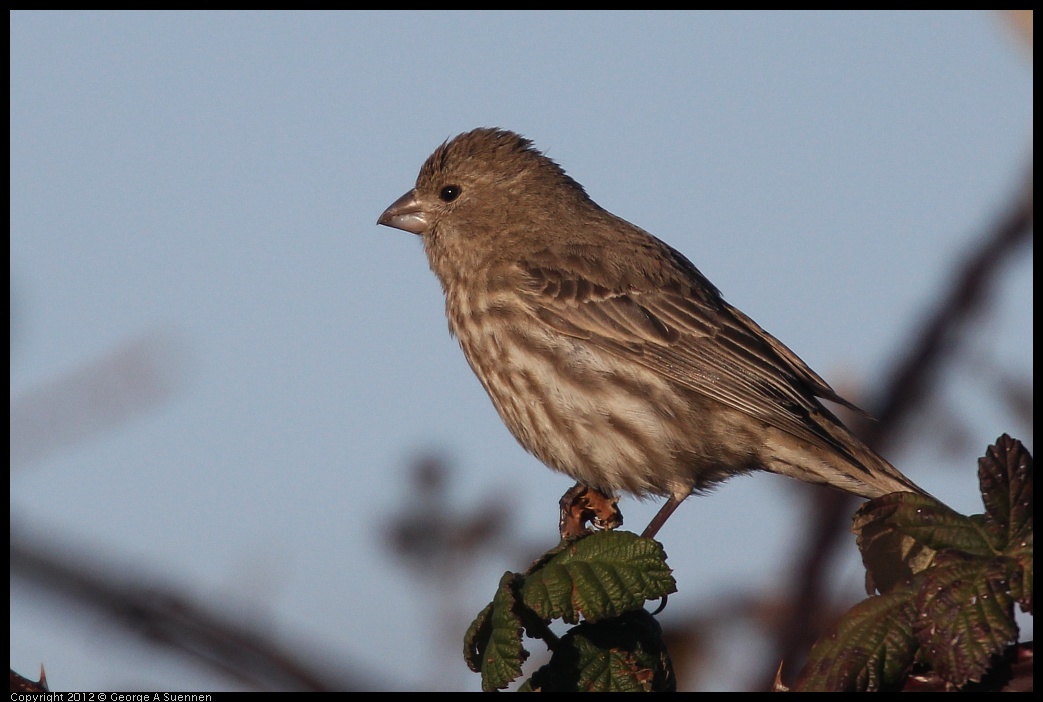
point(449, 193)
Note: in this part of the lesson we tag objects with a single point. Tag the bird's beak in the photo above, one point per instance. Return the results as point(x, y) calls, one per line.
point(406, 214)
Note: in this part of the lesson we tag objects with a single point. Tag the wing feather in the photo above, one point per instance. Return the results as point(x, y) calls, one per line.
point(696, 340)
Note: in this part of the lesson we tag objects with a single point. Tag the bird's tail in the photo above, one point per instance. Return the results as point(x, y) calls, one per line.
point(842, 461)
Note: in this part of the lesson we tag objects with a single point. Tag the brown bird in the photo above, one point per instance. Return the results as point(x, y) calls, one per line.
point(609, 356)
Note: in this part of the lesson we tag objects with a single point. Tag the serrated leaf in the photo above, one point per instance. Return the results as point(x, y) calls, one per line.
point(1021, 583)
point(623, 654)
point(492, 645)
point(563, 545)
point(900, 535)
point(926, 520)
point(966, 573)
point(476, 639)
point(598, 576)
point(1020, 551)
point(966, 615)
point(870, 649)
point(1005, 476)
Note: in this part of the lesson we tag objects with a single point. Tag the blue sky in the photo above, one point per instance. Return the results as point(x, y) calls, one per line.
point(197, 192)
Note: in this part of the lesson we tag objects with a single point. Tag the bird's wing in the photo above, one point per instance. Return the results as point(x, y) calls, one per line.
point(689, 335)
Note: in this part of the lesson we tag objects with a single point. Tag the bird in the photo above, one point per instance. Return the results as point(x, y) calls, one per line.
point(608, 355)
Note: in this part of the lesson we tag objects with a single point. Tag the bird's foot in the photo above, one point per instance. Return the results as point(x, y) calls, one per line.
point(582, 504)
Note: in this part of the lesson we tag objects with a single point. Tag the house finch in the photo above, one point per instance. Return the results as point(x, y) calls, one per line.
point(609, 356)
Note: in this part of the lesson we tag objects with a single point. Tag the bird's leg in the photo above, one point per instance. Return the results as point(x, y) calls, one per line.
point(581, 504)
point(661, 516)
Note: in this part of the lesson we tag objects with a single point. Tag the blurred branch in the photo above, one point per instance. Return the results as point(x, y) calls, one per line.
point(135, 376)
point(912, 380)
point(161, 615)
point(120, 385)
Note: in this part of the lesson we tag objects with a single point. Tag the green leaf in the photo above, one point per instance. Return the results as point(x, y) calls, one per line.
point(871, 648)
point(1005, 475)
point(966, 615)
point(623, 654)
point(926, 520)
point(492, 645)
point(597, 576)
point(476, 640)
point(900, 535)
point(1021, 582)
point(952, 581)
